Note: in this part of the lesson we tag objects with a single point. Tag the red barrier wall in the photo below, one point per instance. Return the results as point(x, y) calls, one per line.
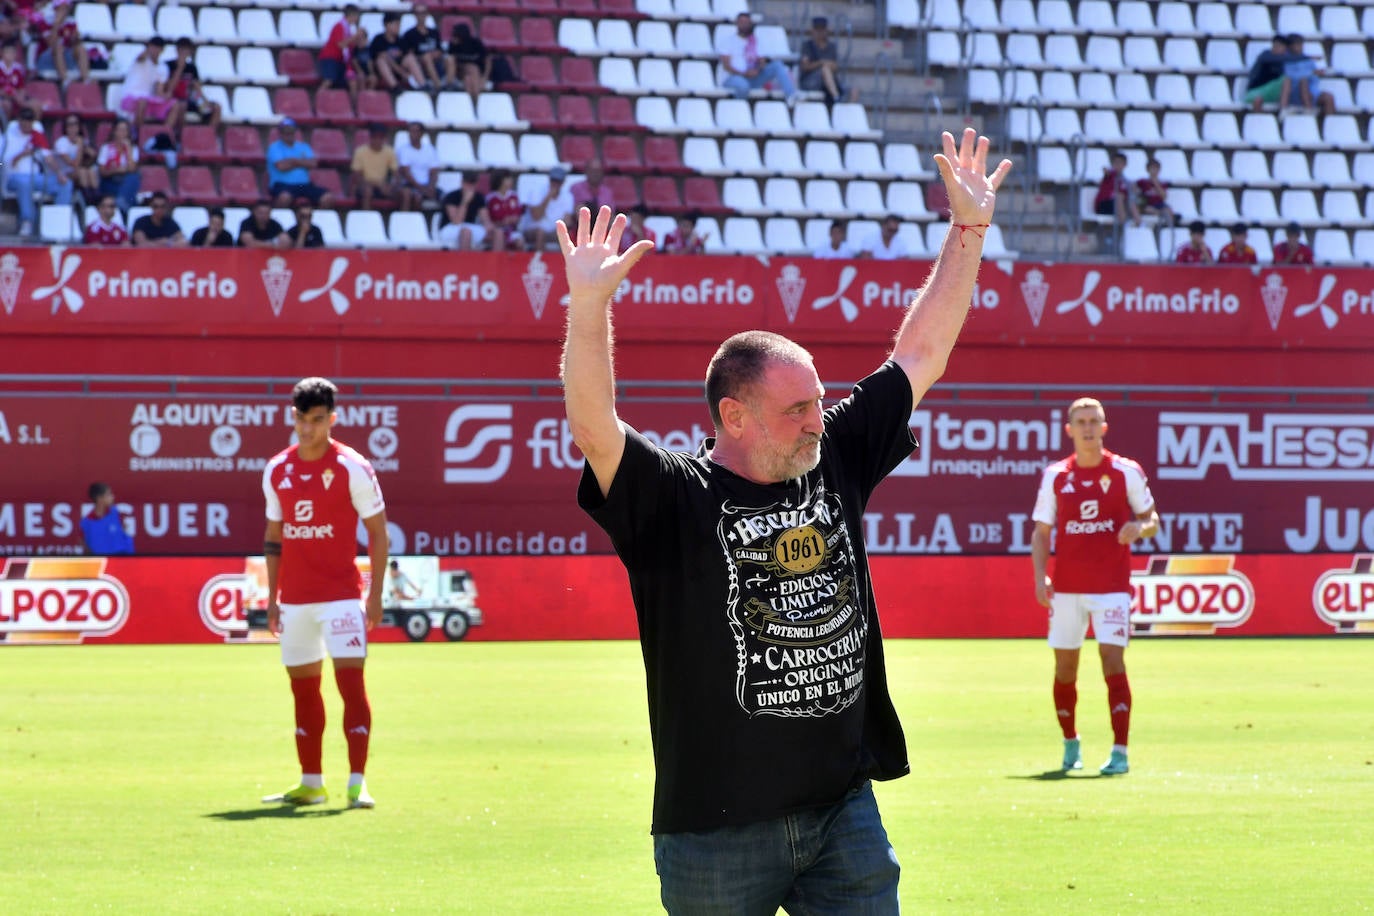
point(134, 600)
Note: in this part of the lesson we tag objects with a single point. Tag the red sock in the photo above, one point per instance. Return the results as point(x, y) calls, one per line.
point(309, 723)
point(357, 715)
point(1065, 701)
point(1119, 702)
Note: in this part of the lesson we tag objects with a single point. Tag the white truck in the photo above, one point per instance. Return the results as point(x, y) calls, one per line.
point(419, 597)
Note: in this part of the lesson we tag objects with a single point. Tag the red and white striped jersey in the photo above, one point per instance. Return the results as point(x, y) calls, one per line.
point(1087, 508)
point(319, 503)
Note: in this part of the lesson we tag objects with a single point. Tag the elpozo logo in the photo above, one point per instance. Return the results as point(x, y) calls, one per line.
point(225, 600)
point(1190, 595)
point(59, 600)
point(1344, 598)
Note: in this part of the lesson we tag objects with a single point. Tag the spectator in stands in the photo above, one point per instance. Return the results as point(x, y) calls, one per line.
point(465, 222)
point(1292, 251)
point(13, 78)
point(418, 165)
point(213, 234)
point(1154, 194)
point(1302, 72)
point(1114, 192)
point(546, 206)
point(423, 44)
point(593, 190)
point(289, 161)
point(106, 229)
point(335, 63)
point(157, 229)
point(685, 239)
point(118, 165)
point(1195, 250)
point(837, 246)
point(29, 170)
point(305, 234)
point(260, 230)
point(375, 170)
point(392, 64)
point(184, 79)
point(885, 245)
point(745, 69)
point(1267, 82)
point(820, 63)
point(1238, 251)
point(474, 64)
point(58, 44)
point(74, 157)
point(505, 210)
point(636, 229)
point(146, 93)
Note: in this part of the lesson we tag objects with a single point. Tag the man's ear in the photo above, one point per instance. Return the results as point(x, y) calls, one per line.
point(732, 413)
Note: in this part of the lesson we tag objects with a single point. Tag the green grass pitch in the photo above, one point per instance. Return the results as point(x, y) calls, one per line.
point(516, 778)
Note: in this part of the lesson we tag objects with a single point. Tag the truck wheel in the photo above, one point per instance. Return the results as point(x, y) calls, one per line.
point(417, 626)
point(455, 626)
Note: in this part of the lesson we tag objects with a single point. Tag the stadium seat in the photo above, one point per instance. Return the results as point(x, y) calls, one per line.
point(782, 235)
point(575, 113)
point(287, 102)
point(1362, 247)
point(375, 105)
point(703, 195)
point(907, 200)
point(190, 219)
point(743, 236)
point(742, 195)
point(196, 185)
point(537, 152)
point(618, 75)
point(1332, 246)
point(702, 154)
point(299, 25)
point(1223, 56)
point(783, 196)
point(1253, 19)
point(497, 151)
point(662, 157)
point(1339, 24)
point(655, 113)
point(656, 76)
point(864, 198)
point(693, 39)
point(535, 109)
point(741, 156)
point(904, 160)
point(365, 229)
point(577, 149)
point(1299, 205)
point(409, 230)
point(215, 64)
point(85, 99)
point(255, 26)
point(1219, 128)
point(822, 195)
point(661, 195)
point(621, 154)
point(735, 116)
point(615, 114)
point(1138, 244)
point(417, 106)
point(498, 33)
point(578, 35)
point(698, 77)
point(1334, 169)
point(200, 143)
point(577, 74)
point(698, 116)
point(537, 36)
point(1293, 169)
point(1062, 124)
point(1299, 129)
point(1340, 131)
point(783, 157)
point(1257, 206)
point(1261, 130)
point(296, 64)
point(240, 185)
point(615, 36)
point(59, 223)
point(1218, 205)
point(1342, 208)
point(774, 118)
point(655, 37)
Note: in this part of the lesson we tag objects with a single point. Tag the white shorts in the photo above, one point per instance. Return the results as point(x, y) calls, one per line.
point(448, 234)
point(1110, 613)
point(309, 631)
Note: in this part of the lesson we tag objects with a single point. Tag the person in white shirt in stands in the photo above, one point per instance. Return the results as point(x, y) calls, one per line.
point(745, 69)
point(884, 245)
point(837, 247)
point(419, 166)
point(145, 93)
point(545, 207)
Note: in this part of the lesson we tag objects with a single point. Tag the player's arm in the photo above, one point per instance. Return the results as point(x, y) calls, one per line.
point(1040, 560)
point(377, 549)
point(1146, 525)
point(271, 551)
point(936, 314)
point(588, 371)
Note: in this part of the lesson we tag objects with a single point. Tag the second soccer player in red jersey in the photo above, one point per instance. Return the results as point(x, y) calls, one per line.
point(316, 492)
point(1097, 504)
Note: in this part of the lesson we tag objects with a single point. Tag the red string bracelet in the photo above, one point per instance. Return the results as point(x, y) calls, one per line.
point(970, 228)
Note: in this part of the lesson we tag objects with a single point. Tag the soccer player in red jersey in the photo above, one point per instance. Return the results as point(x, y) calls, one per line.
point(1097, 504)
point(316, 491)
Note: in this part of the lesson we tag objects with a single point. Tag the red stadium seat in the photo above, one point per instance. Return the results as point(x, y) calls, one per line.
point(625, 191)
point(239, 185)
point(577, 150)
point(329, 180)
point(375, 105)
point(579, 75)
point(242, 144)
point(154, 178)
point(620, 9)
point(195, 185)
point(621, 154)
point(586, 9)
point(614, 113)
point(540, 7)
point(334, 106)
point(498, 34)
point(200, 143)
point(661, 154)
point(537, 70)
point(661, 196)
point(293, 102)
point(537, 36)
point(700, 193)
point(447, 23)
point(88, 100)
point(575, 112)
point(330, 146)
point(49, 97)
point(538, 110)
point(298, 65)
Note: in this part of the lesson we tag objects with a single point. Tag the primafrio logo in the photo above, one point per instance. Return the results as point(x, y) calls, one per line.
point(64, 267)
point(1090, 308)
point(1190, 595)
point(60, 600)
point(337, 300)
point(848, 308)
point(1344, 598)
point(470, 430)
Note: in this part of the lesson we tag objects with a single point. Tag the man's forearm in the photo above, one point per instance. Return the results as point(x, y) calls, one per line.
point(936, 314)
point(588, 372)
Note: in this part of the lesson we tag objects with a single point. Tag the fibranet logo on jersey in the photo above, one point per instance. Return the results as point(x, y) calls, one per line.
point(959, 446)
point(1344, 598)
point(59, 600)
point(1190, 595)
point(1267, 446)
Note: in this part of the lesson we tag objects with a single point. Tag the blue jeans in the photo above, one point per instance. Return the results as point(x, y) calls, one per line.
point(24, 186)
point(123, 187)
point(772, 72)
point(834, 860)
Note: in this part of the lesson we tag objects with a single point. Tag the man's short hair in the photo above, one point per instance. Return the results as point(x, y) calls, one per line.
point(838, 224)
point(215, 211)
point(97, 490)
point(158, 195)
point(1293, 229)
point(313, 392)
point(1239, 229)
point(1081, 403)
point(740, 363)
point(390, 17)
point(1197, 227)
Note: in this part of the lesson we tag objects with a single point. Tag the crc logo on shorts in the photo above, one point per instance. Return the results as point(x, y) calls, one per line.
point(1344, 598)
point(478, 437)
point(1190, 595)
point(59, 600)
point(305, 510)
point(345, 624)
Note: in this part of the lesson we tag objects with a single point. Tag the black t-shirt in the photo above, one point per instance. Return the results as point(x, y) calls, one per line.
point(152, 231)
point(454, 198)
point(383, 46)
point(472, 51)
point(1266, 68)
point(314, 238)
point(223, 240)
point(268, 233)
point(762, 652)
point(418, 42)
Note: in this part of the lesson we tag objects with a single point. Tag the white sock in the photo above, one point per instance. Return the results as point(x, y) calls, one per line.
point(355, 779)
point(312, 780)
point(1119, 749)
